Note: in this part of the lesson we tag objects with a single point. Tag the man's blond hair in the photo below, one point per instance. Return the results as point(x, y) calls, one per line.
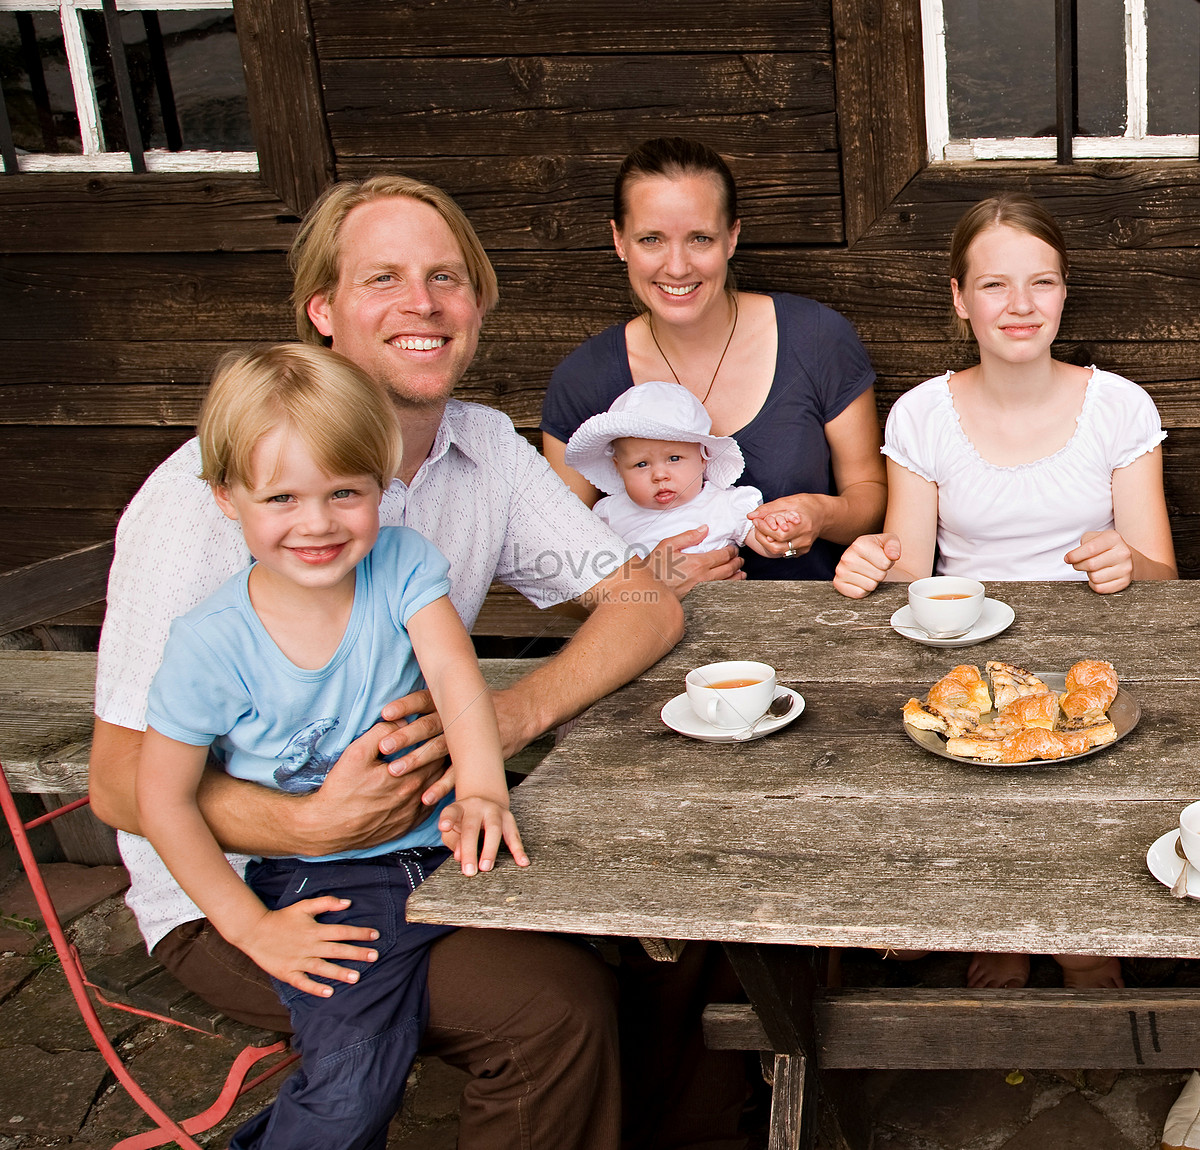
point(316, 255)
point(346, 420)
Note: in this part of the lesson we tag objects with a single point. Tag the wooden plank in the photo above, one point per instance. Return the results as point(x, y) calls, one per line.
point(508, 612)
point(53, 587)
point(349, 29)
point(121, 973)
point(1115, 296)
point(283, 91)
point(83, 838)
point(1110, 205)
point(522, 105)
point(966, 1029)
point(125, 296)
point(877, 86)
point(46, 715)
point(100, 469)
point(122, 212)
point(1034, 1029)
point(562, 200)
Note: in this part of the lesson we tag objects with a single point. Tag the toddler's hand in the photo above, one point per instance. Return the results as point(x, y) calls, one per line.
point(291, 945)
point(461, 824)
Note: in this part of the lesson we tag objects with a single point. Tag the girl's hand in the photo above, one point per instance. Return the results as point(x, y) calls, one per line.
point(864, 564)
point(1106, 558)
point(461, 824)
point(291, 945)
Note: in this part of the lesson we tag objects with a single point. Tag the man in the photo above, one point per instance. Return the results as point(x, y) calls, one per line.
point(392, 275)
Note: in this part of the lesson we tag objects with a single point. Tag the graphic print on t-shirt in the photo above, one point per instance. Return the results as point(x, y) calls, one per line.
point(303, 768)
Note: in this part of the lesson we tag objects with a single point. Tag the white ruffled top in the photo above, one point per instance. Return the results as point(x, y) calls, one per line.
point(1018, 522)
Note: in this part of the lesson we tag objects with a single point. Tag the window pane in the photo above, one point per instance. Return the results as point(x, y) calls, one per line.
point(1173, 58)
point(36, 83)
point(1000, 59)
point(186, 74)
point(200, 50)
point(1100, 68)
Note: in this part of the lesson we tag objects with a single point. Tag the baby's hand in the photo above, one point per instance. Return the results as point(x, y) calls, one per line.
point(291, 945)
point(780, 521)
point(461, 824)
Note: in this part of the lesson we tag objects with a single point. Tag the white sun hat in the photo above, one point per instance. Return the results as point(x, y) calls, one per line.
point(653, 410)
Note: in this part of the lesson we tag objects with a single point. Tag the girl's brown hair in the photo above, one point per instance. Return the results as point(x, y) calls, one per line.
point(1017, 210)
point(345, 419)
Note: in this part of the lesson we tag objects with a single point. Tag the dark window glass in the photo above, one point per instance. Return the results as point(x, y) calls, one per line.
point(1173, 62)
point(1000, 60)
point(37, 84)
point(185, 69)
point(1100, 67)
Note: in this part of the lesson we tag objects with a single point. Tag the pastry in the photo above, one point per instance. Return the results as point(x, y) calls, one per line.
point(1091, 687)
point(960, 697)
point(1009, 682)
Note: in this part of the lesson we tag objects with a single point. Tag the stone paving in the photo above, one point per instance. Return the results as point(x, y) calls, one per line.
point(55, 1090)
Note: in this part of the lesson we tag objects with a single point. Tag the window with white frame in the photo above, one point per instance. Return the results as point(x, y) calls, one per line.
point(122, 85)
point(991, 78)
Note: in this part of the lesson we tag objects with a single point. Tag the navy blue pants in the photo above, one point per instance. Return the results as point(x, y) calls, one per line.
point(357, 1046)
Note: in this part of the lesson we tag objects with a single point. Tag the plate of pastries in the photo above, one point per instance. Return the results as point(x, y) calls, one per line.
point(1009, 715)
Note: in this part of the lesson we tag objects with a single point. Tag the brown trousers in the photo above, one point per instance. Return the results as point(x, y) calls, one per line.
point(531, 1017)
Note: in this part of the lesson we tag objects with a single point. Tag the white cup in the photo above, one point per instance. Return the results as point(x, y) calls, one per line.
point(1189, 833)
point(945, 606)
point(731, 695)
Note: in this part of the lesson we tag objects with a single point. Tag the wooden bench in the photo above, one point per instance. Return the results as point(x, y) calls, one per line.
point(45, 741)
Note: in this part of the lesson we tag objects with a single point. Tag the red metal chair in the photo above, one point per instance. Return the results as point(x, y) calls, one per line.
point(168, 1129)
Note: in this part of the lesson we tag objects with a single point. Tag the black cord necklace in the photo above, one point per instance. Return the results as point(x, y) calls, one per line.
point(650, 321)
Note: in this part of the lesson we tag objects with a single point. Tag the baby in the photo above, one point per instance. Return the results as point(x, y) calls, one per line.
point(663, 471)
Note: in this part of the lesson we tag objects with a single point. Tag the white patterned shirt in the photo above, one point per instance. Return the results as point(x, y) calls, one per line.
point(484, 496)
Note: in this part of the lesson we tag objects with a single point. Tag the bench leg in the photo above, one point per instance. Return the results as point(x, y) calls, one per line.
point(787, 1102)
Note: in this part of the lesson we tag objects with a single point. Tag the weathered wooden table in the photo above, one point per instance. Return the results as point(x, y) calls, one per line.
point(839, 831)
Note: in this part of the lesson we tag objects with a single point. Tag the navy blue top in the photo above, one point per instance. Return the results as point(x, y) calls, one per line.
point(820, 369)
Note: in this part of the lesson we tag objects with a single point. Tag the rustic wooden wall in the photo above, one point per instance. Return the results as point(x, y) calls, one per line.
point(116, 294)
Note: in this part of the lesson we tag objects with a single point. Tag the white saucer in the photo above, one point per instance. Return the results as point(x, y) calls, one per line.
point(996, 617)
point(1165, 864)
point(679, 716)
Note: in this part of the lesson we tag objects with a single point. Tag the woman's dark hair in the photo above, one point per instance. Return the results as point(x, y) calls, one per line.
point(674, 156)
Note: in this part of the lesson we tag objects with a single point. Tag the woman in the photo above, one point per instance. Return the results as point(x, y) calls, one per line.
point(1021, 467)
point(786, 377)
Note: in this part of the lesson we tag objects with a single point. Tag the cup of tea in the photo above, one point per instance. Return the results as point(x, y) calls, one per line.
point(733, 694)
point(945, 606)
point(1189, 833)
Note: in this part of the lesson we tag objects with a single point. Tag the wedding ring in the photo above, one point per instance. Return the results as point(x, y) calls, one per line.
point(791, 553)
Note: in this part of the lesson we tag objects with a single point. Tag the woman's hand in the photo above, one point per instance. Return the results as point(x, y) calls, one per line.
point(792, 523)
point(1106, 558)
point(865, 563)
point(681, 572)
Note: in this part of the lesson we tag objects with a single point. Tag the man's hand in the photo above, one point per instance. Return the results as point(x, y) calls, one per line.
point(292, 945)
point(864, 564)
point(681, 572)
point(1106, 558)
point(362, 801)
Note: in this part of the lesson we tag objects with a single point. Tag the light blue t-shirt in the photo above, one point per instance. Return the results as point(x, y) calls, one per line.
point(224, 681)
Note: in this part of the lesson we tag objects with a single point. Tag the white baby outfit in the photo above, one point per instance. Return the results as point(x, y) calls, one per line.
point(1018, 522)
point(724, 509)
